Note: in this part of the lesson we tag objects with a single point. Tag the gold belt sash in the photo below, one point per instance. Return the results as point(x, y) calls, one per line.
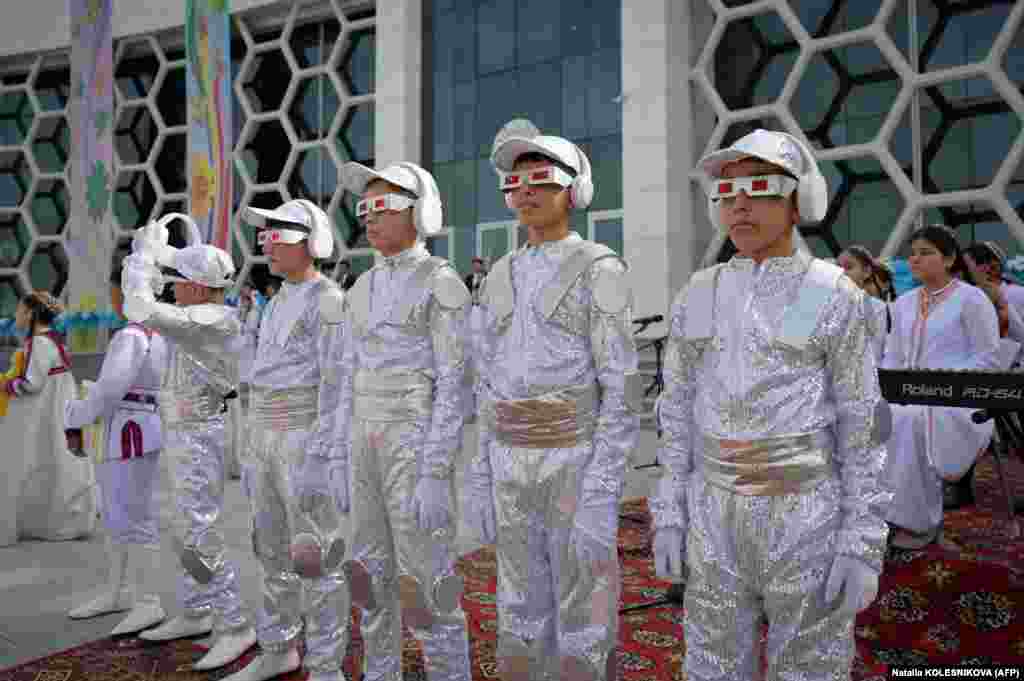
point(285, 409)
point(391, 396)
point(561, 418)
point(773, 466)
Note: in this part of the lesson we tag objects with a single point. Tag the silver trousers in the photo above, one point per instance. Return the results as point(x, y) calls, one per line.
point(404, 564)
point(763, 558)
point(277, 458)
point(197, 452)
point(558, 616)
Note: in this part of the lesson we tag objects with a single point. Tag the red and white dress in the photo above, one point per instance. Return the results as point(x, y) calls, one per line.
point(48, 492)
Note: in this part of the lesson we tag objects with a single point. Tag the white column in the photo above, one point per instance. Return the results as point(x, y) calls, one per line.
point(398, 101)
point(665, 231)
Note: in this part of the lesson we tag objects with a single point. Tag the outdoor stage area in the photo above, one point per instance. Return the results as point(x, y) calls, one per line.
point(959, 602)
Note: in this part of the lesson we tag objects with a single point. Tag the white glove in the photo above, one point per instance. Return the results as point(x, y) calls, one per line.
point(594, 533)
point(857, 581)
point(669, 544)
point(480, 514)
point(321, 478)
point(147, 242)
point(139, 274)
point(432, 503)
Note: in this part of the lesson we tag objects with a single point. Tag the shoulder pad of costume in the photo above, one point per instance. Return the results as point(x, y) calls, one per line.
point(449, 290)
point(611, 284)
point(332, 304)
point(208, 315)
point(500, 265)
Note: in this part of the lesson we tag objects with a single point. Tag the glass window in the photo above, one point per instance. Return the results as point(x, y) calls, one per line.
point(490, 201)
point(493, 242)
point(537, 33)
point(575, 124)
point(608, 231)
point(497, 100)
point(544, 111)
point(604, 108)
point(556, 62)
point(496, 36)
point(438, 246)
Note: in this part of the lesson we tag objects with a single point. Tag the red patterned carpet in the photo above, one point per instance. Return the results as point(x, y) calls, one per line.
point(962, 602)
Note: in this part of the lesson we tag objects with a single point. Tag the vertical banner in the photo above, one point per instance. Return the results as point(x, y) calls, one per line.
point(208, 52)
point(91, 229)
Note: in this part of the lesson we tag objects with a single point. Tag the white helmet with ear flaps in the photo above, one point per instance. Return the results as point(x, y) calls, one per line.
point(296, 220)
point(781, 149)
point(519, 136)
point(427, 213)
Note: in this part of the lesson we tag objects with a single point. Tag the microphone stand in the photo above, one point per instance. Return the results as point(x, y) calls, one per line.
point(659, 380)
point(677, 590)
point(1006, 436)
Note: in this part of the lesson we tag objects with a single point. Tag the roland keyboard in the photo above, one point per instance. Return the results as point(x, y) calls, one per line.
point(951, 388)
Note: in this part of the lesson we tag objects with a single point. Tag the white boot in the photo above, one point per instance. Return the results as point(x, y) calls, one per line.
point(148, 611)
point(179, 626)
point(227, 648)
point(116, 595)
point(267, 666)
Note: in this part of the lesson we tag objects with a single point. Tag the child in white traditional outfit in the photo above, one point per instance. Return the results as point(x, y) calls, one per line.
point(866, 272)
point(125, 396)
point(47, 493)
point(201, 374)
point(774, 433)
point(944, 324)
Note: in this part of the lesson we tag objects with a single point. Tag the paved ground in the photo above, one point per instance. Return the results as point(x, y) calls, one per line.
point(40, 581)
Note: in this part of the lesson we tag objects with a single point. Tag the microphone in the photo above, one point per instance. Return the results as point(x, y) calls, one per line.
point(649, 320)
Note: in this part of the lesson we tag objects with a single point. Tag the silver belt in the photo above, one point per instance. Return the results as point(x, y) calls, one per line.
point(392, 395)
point(557, 419)
point(285, 409)
point(773, 466)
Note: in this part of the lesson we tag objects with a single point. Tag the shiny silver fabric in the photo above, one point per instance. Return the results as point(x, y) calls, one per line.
point(202, 368)
point(197, 455)
point(557, 615)
point(402, 377)
point(557, 419)
point(768, 467)
point(767, 553)
point(281, 423)
point(744, 385)
point(764, 556)
point(552, 607)
point(407, 567)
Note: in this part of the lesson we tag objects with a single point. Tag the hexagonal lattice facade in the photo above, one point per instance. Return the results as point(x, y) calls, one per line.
point(303, 105)
point(908, 123)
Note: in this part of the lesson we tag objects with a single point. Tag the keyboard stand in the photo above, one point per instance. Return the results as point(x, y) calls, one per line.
point(1005, 438)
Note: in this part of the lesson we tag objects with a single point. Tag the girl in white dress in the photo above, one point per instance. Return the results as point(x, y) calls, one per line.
point(872, 277)
point(944, 324)
point(48, 492)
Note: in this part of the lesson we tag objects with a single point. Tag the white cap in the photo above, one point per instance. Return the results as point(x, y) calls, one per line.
point(291, 213)
point(770, 146)
point(505, 152)
point(355, 177)
point(302, 219)
point(205, 264)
